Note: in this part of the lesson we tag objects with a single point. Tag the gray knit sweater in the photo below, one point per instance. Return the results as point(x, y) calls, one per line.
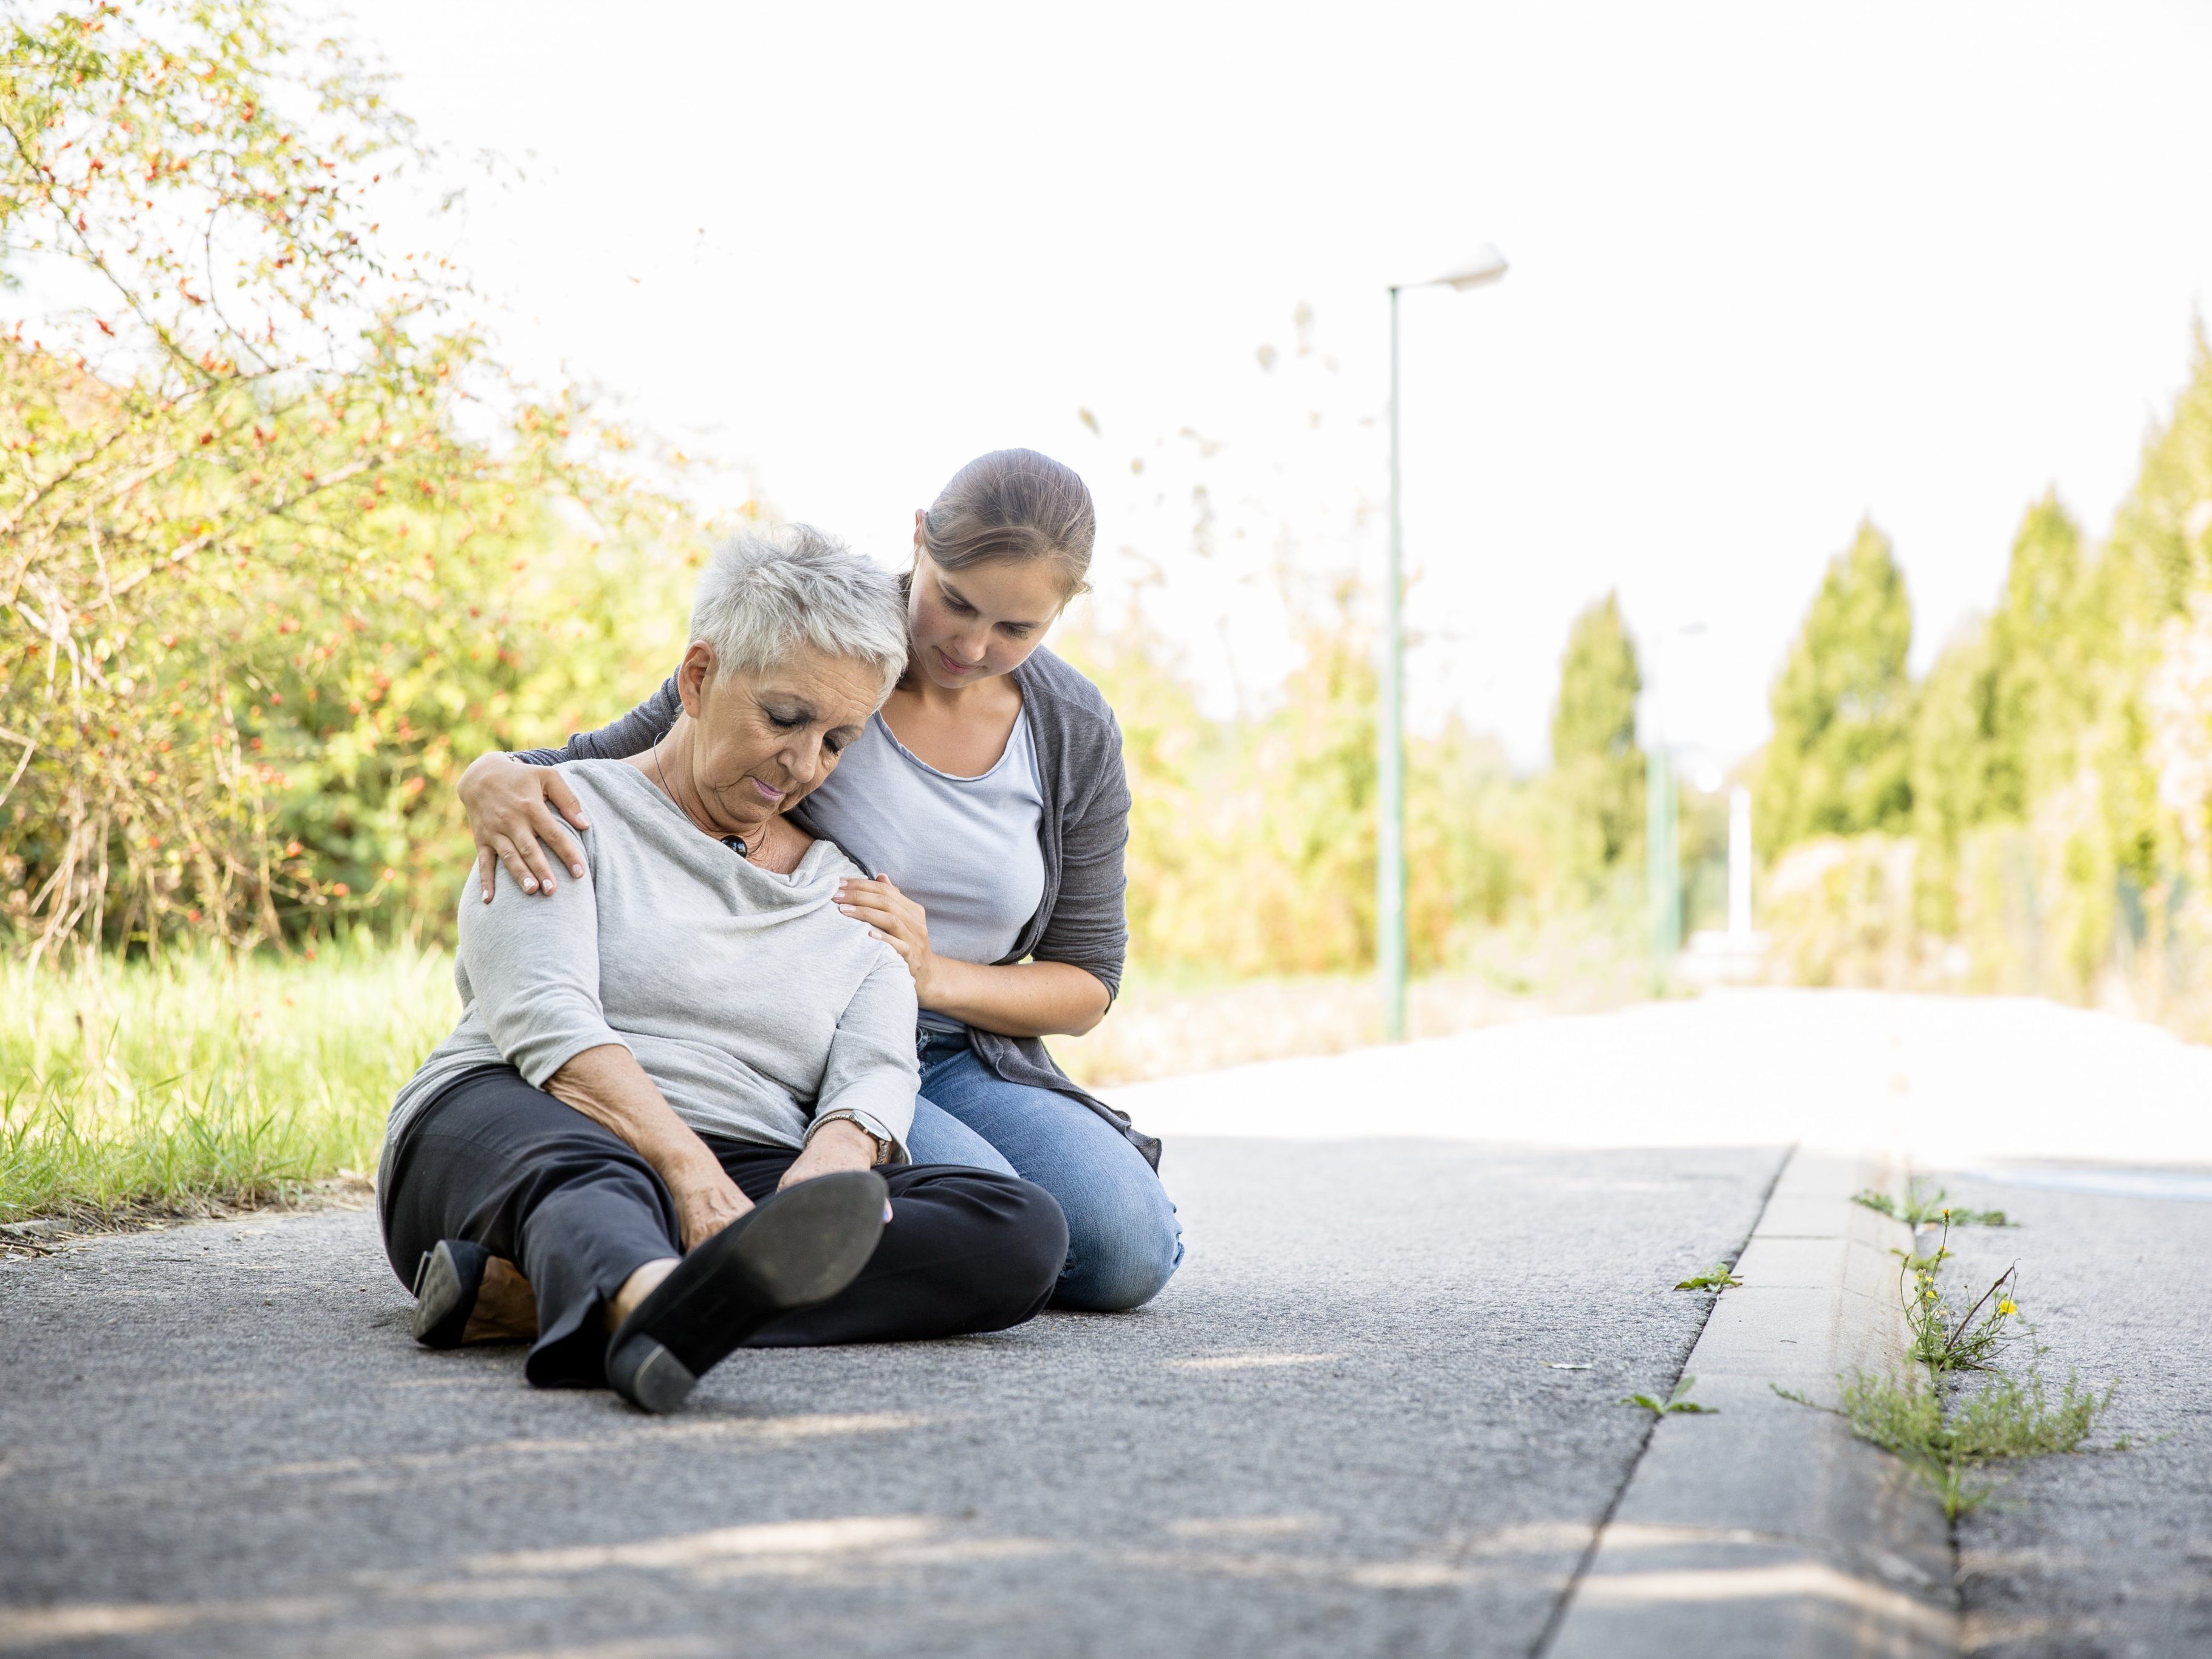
point(1082, 832)
point(747, 997)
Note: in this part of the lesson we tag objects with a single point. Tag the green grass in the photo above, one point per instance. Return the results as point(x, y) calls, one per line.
point(204, 1083)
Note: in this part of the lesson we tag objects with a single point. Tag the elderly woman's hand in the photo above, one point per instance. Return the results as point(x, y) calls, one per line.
point(898, 921)
point(837, 1144)
point(706, 1202)
point(511, 806)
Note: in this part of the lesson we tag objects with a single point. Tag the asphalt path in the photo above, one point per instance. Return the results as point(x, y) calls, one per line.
point(2107, 1555)
point(1348, 1427)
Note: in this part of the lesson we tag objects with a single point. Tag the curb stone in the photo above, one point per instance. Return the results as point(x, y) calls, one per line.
point(1768, 1530)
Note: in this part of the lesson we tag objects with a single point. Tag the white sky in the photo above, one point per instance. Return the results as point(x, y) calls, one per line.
point(1773, 267)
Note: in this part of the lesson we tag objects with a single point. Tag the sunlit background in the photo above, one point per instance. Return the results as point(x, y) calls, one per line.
point(1774, 269)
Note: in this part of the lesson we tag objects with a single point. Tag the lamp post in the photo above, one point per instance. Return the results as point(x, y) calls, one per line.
point(1486, 267)
point(1662, 853)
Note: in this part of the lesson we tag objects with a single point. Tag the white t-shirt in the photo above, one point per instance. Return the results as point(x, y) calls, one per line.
point(965, 849)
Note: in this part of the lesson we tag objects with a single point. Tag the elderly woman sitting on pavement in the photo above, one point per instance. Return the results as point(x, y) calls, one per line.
point(672, 1113)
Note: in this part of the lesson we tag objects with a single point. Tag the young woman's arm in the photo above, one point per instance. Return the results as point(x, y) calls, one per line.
point(513, 800)
point(1020, 999)
point(1023, 999)
point(1076, 968)
point(1089, 926)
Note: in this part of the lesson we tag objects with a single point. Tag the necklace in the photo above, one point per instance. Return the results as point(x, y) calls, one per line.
point(735, 843)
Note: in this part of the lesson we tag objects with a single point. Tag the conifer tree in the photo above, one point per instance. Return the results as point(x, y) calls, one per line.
point(1839, 761)
point(1597, 767)
point(1965, 774)
point(2046, 642)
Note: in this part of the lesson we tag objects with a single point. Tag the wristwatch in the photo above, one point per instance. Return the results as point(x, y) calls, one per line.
point(884, 1142)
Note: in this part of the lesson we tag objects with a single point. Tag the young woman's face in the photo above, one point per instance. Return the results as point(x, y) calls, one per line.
point(981, 620)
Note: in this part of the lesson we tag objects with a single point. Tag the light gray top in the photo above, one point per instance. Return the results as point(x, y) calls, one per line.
point(750, 1001)
point(964, 848)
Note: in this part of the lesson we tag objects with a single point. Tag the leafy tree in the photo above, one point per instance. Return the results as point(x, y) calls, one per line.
point(1467, 863)
point(1316, 754)
point(1252, 841)
point(236, 508)
point(1839, 760)
point(1597, 769)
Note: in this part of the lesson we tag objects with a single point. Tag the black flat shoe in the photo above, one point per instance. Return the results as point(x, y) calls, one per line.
point(799, 1246)
point(445, 1287)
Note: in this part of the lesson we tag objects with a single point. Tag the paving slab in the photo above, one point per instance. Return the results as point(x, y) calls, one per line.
point(1341, 1430)
point(2107, 1555)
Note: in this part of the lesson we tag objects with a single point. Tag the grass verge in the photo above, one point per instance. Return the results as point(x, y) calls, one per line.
point(204, 1083)
point(207, 1082)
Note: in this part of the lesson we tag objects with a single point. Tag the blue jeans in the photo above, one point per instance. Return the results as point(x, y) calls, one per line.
point(1124, 1242)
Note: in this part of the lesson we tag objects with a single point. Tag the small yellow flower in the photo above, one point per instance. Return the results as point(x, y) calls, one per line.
point(2007, 1306)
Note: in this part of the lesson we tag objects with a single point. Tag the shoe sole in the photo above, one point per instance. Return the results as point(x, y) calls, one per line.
point(440, 1314)
point(798, 1248)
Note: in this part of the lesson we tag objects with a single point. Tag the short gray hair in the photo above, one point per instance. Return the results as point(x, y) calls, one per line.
point(767, 591)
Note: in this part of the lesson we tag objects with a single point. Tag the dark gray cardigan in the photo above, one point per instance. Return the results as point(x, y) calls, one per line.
point(1084, 829)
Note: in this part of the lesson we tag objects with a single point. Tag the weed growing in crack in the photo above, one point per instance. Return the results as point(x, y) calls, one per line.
point(1679, 1400)
point(1718, 1277)
point(2004, 1417)
point(2014, 1416)
point(1945, 1340)
point(1919, 1207)
point(1945, 1427)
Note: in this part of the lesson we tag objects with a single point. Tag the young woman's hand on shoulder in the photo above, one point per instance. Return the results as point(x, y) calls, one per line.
point(512, 808)
point(898, 921)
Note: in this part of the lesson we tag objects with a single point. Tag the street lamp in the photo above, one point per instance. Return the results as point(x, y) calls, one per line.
point(1487, 266)
point(1663, 854)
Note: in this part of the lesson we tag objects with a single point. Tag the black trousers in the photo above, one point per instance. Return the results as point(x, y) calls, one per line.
point(573, 1206)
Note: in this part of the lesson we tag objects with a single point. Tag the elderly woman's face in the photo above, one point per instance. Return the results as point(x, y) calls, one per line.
point(762, 743)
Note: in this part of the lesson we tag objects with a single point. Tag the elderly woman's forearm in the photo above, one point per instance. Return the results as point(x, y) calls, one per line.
point(608, 1086)
point(1023, 999)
